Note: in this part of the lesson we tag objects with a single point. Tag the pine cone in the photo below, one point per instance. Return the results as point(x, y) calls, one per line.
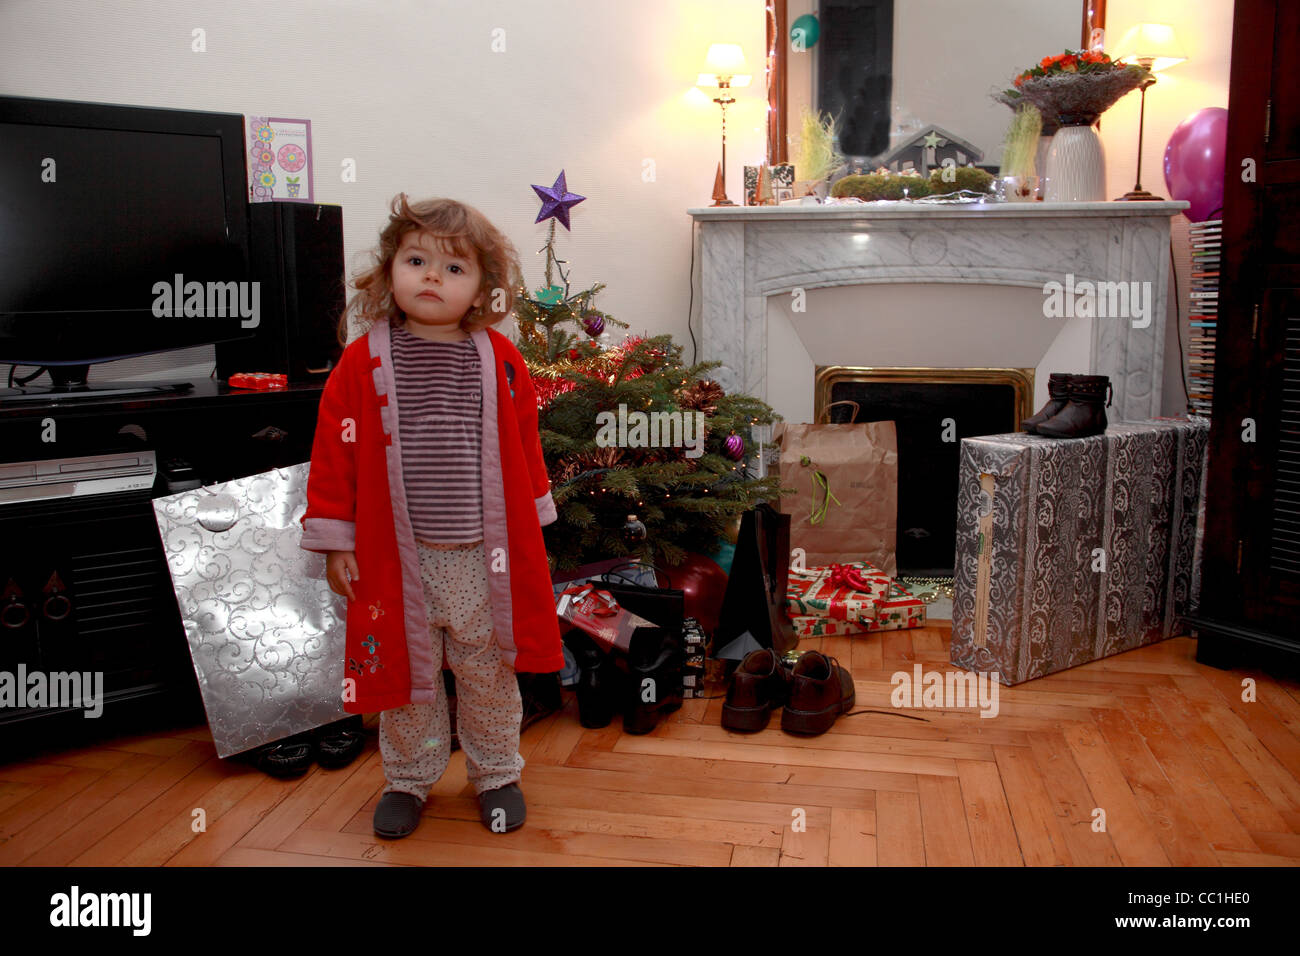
point(702, 396)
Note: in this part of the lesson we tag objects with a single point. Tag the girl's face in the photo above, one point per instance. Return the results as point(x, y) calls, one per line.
point(433, 287)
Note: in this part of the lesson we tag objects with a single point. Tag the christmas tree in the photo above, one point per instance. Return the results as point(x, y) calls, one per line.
point(630, 429)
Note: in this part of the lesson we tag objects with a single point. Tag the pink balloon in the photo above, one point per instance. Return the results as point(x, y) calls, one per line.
point(1194, 162)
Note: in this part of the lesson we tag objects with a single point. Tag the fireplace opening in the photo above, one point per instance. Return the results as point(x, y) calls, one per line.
point(933, 410)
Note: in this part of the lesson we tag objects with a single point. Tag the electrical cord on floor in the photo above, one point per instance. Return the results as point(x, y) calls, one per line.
point(887, 713)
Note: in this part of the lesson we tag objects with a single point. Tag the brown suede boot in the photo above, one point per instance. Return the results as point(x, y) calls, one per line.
point(1058, 391)
point(1085, 414)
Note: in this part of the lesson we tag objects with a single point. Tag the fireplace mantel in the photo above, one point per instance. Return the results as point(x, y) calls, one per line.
point(749, 254)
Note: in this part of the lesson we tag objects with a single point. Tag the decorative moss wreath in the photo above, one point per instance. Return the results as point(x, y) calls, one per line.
point(883, 184)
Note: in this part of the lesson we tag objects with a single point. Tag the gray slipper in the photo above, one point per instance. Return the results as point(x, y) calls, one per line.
point(397, 815)
point(502, 809)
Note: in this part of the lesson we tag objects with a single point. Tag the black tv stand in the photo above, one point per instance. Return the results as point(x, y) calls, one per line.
point(84, 585)
point(52, 394)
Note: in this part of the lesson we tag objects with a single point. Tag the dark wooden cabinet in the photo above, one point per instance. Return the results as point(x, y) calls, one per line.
point(84, 585)
point(1250, 604)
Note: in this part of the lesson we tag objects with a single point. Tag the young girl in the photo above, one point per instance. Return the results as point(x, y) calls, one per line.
point(428, 493)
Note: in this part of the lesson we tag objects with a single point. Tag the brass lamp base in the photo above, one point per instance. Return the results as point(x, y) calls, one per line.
point(1140, 195)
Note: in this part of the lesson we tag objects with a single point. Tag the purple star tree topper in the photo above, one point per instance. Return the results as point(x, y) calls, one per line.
point(557, 200)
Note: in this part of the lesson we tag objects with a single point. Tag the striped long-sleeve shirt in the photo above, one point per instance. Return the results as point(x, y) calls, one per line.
point(440, 426)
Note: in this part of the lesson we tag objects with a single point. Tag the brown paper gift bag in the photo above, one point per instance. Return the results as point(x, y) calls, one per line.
point(858, 465)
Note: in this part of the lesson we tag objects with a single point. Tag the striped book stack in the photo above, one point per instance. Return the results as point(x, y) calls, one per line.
point(1203, 312)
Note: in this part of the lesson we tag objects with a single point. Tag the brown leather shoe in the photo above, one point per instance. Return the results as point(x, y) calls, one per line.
point(759, 685)
point(821, 691)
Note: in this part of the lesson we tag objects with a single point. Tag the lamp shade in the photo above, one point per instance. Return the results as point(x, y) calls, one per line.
point(725, 63)
point(1153, 42)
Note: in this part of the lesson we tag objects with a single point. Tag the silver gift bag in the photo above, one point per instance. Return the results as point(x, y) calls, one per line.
point(265, 630)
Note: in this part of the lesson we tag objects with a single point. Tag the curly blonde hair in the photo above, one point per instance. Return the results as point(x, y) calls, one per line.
point(466, 232)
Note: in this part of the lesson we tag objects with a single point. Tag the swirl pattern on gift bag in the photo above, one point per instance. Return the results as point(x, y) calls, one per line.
point(265, 631)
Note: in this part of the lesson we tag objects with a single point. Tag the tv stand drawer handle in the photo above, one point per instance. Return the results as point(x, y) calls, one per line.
point(60, 602)
point(8, 614)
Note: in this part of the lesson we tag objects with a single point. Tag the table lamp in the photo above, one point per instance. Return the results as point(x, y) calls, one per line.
point(724, 69)
point(1153, 46)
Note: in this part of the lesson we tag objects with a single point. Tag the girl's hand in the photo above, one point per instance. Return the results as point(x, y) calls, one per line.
point(341, 571)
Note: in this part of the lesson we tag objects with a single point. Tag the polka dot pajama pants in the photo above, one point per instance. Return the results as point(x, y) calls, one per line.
point(415, 740)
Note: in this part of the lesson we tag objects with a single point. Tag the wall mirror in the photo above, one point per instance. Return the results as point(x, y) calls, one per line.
point(891, 69)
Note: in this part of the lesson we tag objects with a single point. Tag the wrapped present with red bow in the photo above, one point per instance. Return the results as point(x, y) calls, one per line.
point(809, 625)
point(898, 611)
point(841, 592)
point(849, 599)
point(595, 611)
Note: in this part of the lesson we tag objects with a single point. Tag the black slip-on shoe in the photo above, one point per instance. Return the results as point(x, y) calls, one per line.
point(286, 759)
point(502, 809)
point(339, 743)
point(397, 815)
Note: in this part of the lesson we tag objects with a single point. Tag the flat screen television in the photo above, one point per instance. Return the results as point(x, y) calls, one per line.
point(123, 232)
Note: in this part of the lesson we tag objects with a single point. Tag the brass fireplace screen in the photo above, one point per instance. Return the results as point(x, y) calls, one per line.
point(930, 423)
point(1021, 381)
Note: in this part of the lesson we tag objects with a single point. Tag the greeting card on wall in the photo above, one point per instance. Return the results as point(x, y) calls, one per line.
point(279, 159)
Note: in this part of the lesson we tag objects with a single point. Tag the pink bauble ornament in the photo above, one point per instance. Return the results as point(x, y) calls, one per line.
point(593, 324)
point(1194, 162)
point(735, 447)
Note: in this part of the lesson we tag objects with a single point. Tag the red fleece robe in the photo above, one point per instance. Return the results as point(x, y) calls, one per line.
point(356, 501)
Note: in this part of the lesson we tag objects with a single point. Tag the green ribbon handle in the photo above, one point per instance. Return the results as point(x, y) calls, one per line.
point(820, 483)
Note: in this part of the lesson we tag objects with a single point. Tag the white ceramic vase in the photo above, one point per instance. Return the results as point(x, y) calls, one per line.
point(1076, 166)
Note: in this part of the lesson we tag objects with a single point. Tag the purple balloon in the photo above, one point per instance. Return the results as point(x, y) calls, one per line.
point(1194, 162)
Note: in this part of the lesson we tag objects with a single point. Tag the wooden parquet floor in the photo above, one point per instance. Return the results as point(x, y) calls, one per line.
point(1185, 772)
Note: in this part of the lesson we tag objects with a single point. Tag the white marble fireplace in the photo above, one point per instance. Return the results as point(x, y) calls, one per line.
point(789, 288)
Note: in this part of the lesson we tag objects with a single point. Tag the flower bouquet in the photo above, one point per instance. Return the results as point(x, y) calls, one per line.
point(1073, 89)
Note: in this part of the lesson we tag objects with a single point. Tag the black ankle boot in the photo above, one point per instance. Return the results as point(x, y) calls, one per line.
point(1085, 413)
point(654, 685)
point(1058, 390)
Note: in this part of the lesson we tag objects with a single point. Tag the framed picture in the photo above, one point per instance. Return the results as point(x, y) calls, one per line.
point(279, 160)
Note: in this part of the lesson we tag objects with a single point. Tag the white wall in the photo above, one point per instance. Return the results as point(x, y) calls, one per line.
point(413, 92)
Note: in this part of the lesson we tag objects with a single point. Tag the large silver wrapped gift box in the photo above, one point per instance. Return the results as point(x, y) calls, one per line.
point(1070, 550)
point(265, 630)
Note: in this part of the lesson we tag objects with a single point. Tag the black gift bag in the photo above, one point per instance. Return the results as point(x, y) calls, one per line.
point(755, 596)
point(644, 684)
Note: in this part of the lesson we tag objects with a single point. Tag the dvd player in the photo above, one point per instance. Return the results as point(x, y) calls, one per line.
point(75, 477)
